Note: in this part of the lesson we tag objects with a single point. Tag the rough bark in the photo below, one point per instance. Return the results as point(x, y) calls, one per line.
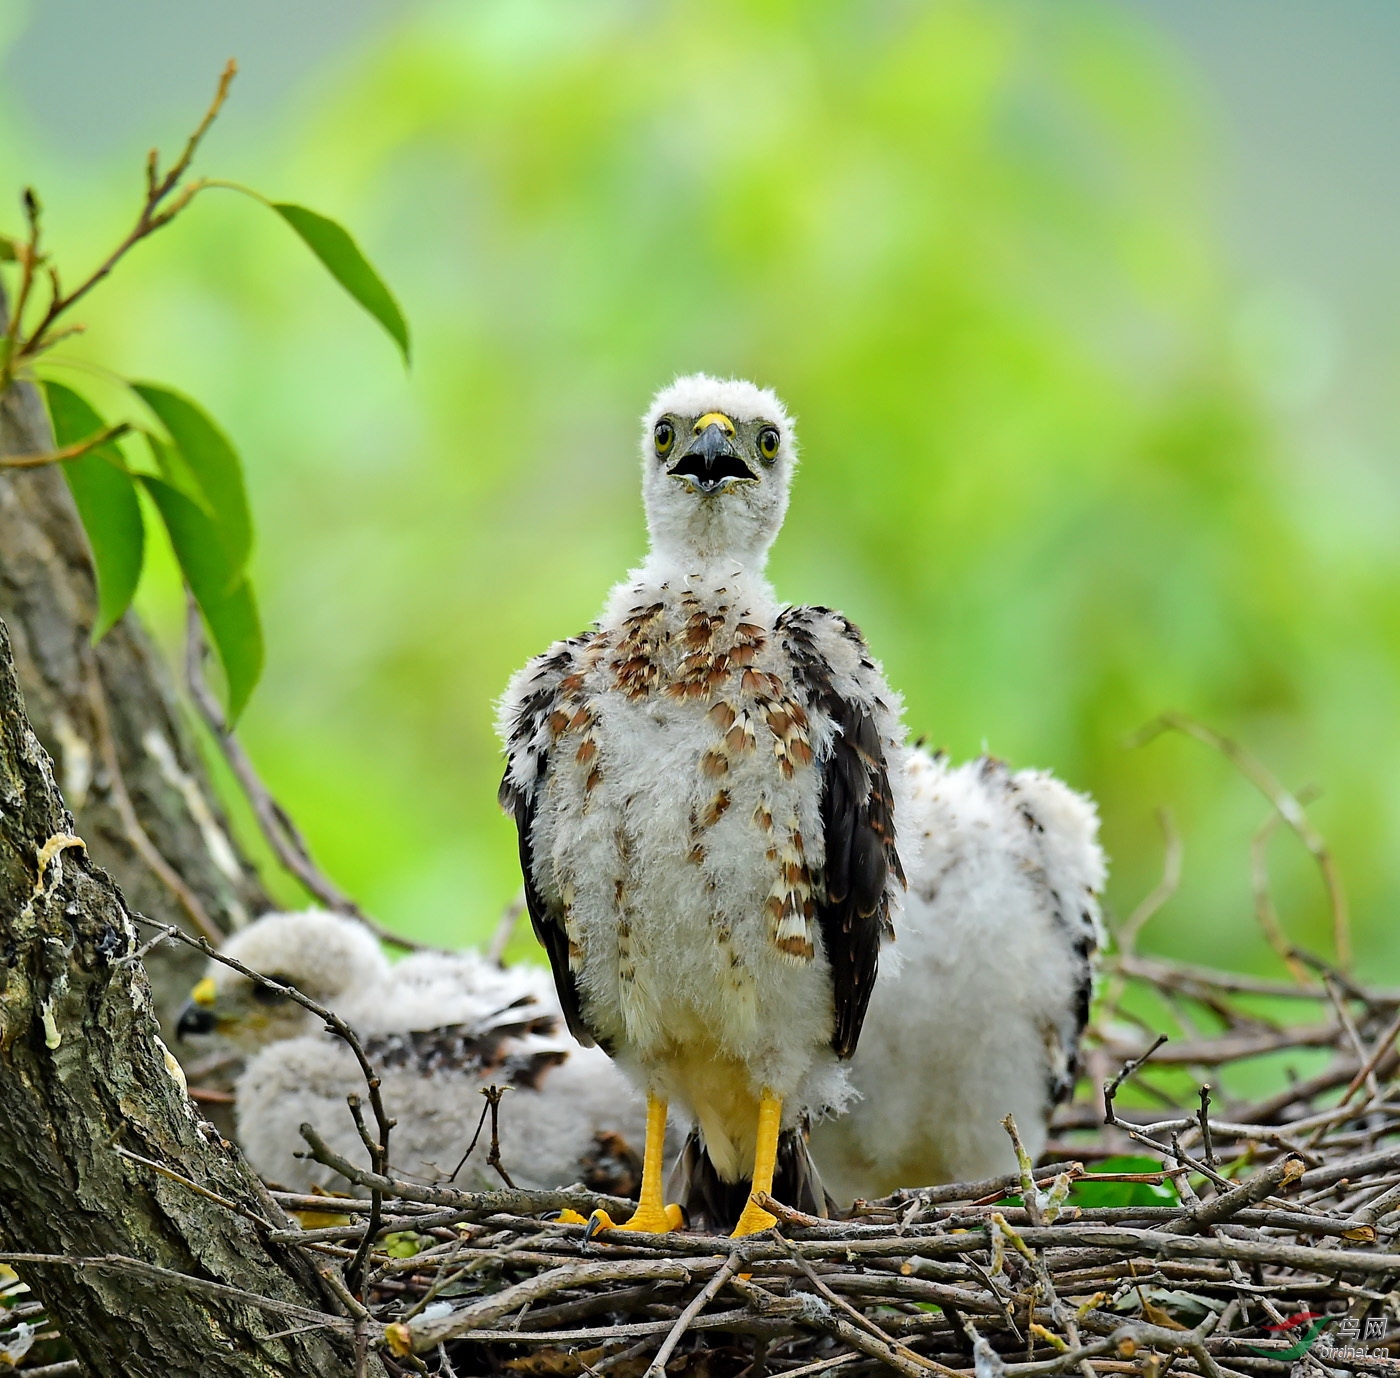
point(84, 1075)
point(107, 715)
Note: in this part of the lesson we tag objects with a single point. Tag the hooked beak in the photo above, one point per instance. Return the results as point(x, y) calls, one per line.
point(197, 1015)
point(711, 462)
point(194, 1019)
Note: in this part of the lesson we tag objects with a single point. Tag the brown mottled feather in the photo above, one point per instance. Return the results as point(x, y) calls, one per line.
point(851, 894)
point(550, 697)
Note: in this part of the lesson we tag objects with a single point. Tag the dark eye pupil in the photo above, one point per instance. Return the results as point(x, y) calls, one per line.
point(768, 440)
point(663, 434)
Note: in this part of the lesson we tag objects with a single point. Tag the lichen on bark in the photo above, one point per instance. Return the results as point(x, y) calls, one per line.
point(85, 1084)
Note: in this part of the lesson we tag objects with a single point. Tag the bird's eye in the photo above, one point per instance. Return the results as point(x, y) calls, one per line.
point(265, 995)
point(665, 436)
point(768, 440)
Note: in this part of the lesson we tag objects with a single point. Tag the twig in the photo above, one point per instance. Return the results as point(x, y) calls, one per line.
point(493, 1096)
point(730, 1266)
point(379, 1153)
point(1220, 1208)
point(156, 211)
point(477, 1203)
point(1366, 1073)
point(378, 1149)
point(1264, 911)
point(423, 1333)
point(1157, 897)
point(1111, 1088)
point(471, 1147)
point(862, 1320)
point(1203, 1119)
point(274, 822)
point(194, 1187)
point(1287, 805)
point(77, 450)
point(121, 1264)
point(136, 834)
point(505, 930)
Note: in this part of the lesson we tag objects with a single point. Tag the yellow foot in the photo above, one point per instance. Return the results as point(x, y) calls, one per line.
point(754, 1220)
point(645, 1220)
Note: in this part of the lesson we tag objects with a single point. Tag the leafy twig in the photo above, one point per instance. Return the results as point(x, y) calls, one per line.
point(164, 200)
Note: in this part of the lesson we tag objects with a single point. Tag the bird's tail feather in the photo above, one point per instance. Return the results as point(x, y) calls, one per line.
point(711, 1203)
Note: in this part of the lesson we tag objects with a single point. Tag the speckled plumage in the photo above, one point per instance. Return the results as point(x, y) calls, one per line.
point(702, 787)
point(983, 1014)
point(438, 1027)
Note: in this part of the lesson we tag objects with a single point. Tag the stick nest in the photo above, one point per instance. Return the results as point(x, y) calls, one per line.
point(1180, 1223)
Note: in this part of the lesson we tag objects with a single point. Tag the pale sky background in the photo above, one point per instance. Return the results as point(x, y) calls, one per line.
point(1306, 177)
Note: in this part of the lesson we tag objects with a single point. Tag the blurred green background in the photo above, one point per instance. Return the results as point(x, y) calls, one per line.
point(1087, 312)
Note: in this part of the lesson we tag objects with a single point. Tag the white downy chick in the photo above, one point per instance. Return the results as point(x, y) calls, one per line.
point(982, 1014)
point(438, 1027)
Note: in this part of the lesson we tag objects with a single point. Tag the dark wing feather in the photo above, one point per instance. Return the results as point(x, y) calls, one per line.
point(711, 1203)
point(852, 893)
point(528, 737)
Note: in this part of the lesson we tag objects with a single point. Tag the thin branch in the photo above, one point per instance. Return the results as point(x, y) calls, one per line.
point(1288, 806)
point(122, 1264)
point(77, 450)
point(657, 1367)
point(274, 822)
point(193, 1186)
point(152, 216)
point(1165, 888)
point(472, 1202)
point(505, 930)
point(1366, 1073)
point(1264, 911)
point(136, 834)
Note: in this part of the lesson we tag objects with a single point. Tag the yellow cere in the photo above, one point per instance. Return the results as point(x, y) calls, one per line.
point(205, 993)
point(715, 418)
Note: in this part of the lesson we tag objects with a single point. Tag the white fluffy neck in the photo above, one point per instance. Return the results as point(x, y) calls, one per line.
point(664, 573)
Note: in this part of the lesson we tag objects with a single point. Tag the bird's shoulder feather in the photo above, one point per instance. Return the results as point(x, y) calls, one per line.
point(534, 694)
point(834, 671)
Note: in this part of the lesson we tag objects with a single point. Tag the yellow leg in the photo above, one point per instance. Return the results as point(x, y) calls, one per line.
point(765, 1159)
point(653, 1215)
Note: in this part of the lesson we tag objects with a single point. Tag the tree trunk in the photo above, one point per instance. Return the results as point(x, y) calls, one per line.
point(107, 716)
point(84, 1076)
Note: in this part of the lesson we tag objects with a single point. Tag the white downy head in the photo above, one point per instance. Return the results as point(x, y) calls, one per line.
point(717, 459)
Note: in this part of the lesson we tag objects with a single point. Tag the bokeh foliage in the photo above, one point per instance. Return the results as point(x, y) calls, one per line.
point(967, 243)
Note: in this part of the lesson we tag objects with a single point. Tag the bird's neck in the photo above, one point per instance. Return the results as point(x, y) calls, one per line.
point(664, 578)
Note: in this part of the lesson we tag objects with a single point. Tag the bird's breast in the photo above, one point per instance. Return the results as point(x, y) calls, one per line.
point(682, 769)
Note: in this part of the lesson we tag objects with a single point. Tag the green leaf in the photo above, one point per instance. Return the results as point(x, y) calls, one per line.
point(332, 244)
point(213, 464)
point(107, 504)
point(8, 252)
point(1089, 1193)
point(172, 466)
point(224, 595)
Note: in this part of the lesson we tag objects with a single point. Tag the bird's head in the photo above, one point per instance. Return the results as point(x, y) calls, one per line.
point(717, 458)
point(328, 957)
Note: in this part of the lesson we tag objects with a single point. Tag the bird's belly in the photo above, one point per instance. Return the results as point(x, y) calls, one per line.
point(670, 870)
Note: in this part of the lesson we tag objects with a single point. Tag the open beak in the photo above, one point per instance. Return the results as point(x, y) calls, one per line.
point(711, 462)
point(197, 1015)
